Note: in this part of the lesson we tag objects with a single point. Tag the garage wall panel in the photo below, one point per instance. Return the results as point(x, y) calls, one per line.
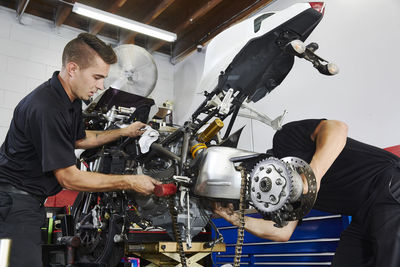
point(5, 29)
point(12, 82)
point(163, 90)
point(164, 66)
point(25, 34)
point(26, 68)
point(3, 63)
point(160, 95)
point(11, 99)
point(14, 48)
point(5, 117)
point(32, 83)
point(45, 56)
point(49, 72)
point(186, 77)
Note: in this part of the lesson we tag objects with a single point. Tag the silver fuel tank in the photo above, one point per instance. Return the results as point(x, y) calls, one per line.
point(218, 177)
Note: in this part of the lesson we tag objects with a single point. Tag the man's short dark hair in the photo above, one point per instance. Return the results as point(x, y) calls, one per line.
point(83, 49)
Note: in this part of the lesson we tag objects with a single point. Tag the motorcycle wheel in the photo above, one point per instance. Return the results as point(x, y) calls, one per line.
point(97, 247)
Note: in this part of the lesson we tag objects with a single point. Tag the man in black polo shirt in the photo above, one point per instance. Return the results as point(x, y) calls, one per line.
point(37, 158)
point(354, 179)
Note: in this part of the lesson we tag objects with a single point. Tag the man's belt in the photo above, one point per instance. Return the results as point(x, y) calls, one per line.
point(5, 187)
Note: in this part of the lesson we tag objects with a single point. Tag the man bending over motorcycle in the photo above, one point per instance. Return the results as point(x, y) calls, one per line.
point(353, 178)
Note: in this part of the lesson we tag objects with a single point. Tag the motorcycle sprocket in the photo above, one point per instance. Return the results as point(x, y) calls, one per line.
point(276, 189)
point(270, 185)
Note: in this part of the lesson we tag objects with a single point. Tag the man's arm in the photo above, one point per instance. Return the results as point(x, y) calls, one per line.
point(330, 138)
point(74, 179)
point(98, 138)
point(256, 226)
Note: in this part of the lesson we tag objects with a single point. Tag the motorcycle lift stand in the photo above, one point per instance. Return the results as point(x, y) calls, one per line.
point(166, 253)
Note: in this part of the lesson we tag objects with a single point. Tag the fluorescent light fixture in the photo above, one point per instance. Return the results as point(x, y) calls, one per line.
point(122, 22)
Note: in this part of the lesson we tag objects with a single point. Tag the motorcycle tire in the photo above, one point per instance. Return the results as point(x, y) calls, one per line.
point(104, 251)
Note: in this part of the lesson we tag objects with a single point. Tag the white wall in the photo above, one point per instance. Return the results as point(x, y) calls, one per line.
point(30, 53)
point(361, 37)
point(164, 90)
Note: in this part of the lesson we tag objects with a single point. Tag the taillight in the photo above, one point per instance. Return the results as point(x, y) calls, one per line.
point(319, 6)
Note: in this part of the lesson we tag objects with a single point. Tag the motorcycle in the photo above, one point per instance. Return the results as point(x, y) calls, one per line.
point(194, 162)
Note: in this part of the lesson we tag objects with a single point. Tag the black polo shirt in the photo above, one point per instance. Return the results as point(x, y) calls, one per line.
point(41, 139)
point(355, 176)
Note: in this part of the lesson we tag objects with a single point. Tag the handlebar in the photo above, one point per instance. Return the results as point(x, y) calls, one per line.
point(164, 190)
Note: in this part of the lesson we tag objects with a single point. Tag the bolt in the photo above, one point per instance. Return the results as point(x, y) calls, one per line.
point(266, 205)
point(163, 247)
point(256, 179)
point(269, 170)
point(253, 189)
point(280, 170)
point(258, 195)
point(272, 198)
point(261, 168)
point(278, 181)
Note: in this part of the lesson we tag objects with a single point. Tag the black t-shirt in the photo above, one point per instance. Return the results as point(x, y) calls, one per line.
point(353, 178)
point(41, 139)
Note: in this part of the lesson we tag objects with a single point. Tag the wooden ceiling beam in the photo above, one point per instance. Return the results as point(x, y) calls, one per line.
point(130, 39)
point(95, 28)
point(194, 17)
point(245, 13)
point(198, 14)
point(62, 14)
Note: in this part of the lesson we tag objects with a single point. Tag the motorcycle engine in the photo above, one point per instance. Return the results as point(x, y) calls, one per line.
point(190, 215)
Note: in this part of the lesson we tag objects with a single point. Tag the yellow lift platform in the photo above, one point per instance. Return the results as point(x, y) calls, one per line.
point(166, 253)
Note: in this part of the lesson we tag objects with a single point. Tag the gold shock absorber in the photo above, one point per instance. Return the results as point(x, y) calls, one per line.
point(196, 148)
point(210, 131)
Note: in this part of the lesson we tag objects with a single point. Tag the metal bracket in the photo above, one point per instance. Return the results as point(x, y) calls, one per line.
point(275, 124)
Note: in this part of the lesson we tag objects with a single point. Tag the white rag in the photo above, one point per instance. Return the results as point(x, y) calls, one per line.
point(148, 137)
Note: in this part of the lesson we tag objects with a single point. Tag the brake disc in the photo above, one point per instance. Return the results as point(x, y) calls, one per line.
point(305, 201)
point(277, 189)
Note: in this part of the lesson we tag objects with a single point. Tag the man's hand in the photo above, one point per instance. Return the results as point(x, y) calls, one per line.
point(135, 129)
point(143, 184)
point(227, 213)
point(256, 226)
point(98, 138)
